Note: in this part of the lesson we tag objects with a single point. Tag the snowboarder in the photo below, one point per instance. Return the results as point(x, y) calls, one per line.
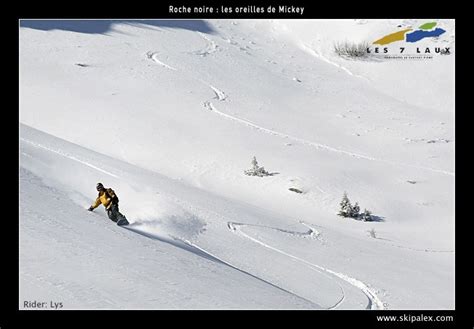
point(109, 199)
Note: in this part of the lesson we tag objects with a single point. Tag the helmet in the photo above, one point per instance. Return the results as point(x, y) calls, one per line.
point(99, 186)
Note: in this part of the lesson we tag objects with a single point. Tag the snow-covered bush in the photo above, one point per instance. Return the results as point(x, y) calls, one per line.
point(256, 170)
point(366, 216)
point(372, 233)
point(352, 49)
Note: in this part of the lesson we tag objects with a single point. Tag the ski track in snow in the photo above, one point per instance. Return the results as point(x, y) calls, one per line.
point(374, 302)
point(421, 250)
point(154, 57)
point(220, 95)
point(327, 60)
point(314, 233)
point(413, 249)
point(66, 155)
point(210, 48)
point(195, 249)
point(311, 233)
point(208, 105)
point(189, 243)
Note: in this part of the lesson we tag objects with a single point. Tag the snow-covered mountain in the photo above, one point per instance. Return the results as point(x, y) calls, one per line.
point(170, 113)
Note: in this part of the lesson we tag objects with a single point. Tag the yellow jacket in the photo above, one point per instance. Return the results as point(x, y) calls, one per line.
point(105, 198)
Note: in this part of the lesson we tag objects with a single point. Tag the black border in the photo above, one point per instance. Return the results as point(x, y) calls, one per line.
point(11, 317)
point(160, 10)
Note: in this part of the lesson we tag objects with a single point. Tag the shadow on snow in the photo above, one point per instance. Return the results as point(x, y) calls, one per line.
point(105, 26)
point(175, 242)
point(197, 251)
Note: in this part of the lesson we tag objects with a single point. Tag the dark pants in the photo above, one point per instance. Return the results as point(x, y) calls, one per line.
point(114, 213)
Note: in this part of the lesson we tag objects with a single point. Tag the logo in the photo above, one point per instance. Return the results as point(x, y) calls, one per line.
point(426, 30)
point(410, 36)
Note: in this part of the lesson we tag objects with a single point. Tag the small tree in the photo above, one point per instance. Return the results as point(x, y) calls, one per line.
point(254, 164)
point(355, 211)
point(346, 207)
point(256, 170)
point(366, 216)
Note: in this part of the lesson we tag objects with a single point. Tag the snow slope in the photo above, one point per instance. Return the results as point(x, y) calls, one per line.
point(61, 262)
point(169, 114)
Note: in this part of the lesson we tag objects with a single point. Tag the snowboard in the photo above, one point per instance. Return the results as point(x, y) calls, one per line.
point(122, 222)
